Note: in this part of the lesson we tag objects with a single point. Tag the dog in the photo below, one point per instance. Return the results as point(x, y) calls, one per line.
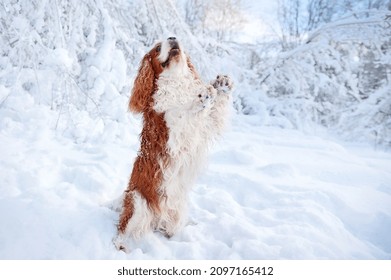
point(182, 116)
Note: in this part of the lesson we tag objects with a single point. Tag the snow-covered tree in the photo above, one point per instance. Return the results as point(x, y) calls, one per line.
point(221, 19)
point(339, 79)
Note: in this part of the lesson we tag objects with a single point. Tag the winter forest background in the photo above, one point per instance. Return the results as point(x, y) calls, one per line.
point(304, 67)
point(311, 63)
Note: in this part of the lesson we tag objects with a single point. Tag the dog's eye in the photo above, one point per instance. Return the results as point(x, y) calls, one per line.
point(158, 48)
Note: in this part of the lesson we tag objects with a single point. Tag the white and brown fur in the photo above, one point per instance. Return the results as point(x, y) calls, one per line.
point(181, 118)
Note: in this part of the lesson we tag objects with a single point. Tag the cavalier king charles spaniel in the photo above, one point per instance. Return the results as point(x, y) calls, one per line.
point(181, 118)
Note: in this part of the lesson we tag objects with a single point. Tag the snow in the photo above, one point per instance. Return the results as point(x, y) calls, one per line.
point(289, 180)
point(267, 193)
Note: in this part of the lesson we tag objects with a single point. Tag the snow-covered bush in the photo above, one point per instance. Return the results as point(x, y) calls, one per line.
point(64, 55)
point(77, 58)
point(340, 79)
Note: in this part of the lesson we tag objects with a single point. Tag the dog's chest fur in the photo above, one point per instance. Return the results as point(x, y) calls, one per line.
point(187, 125)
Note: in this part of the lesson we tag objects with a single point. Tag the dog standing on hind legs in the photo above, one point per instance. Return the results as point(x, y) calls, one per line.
point(181, 118)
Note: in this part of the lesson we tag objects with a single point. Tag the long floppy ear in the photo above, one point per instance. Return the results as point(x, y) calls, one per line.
point(143, 86)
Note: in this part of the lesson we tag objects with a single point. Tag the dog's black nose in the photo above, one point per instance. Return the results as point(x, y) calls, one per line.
point(171, 38)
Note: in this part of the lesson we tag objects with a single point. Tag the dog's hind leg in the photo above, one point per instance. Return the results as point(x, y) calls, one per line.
point(136, 219)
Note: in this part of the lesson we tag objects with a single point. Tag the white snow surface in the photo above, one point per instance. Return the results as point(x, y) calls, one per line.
point(267, 193)
point(278, 185)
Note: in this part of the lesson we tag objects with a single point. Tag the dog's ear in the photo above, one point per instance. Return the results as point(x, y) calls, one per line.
point(143, 86)
point(192, 68)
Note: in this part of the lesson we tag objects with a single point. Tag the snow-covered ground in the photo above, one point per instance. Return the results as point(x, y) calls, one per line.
point(267, 193)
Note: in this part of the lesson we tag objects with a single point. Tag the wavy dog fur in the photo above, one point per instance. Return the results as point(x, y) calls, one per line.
point(181, 117)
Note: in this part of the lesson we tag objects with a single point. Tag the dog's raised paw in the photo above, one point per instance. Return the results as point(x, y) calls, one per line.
point(223, 83)
point(204, 99)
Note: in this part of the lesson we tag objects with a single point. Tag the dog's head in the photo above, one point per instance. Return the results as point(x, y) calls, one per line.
point(165, 59)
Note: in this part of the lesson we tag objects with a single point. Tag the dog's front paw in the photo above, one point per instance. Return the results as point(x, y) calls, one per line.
point(204, 99)
point(223, 83)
